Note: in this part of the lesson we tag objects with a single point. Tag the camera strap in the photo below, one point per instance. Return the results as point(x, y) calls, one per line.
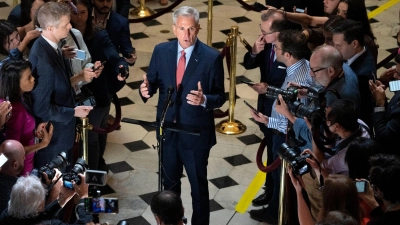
point(74, 37)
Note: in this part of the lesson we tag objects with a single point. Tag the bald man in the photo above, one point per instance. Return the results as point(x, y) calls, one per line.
point(15, 153)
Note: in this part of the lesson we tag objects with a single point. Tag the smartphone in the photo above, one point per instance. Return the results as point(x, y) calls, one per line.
point(3, 159)
point(299, 10)
point(123, 71)
point(247, 82)
point(48, 126)
point(102, 63)
point(80, 54)
point(251, 107)
point(361, 186)
point(394, 85)
point(101, 205)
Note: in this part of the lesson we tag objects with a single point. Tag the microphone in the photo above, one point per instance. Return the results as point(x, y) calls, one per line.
point(167, 103)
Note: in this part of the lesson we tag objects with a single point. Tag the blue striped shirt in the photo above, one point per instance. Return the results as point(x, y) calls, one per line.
point(297, 73)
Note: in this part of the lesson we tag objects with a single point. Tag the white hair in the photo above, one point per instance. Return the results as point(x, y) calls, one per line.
point(186, 11)
point(26, 197)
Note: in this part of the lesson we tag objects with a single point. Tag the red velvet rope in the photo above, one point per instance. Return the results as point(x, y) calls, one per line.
point(226, 52)
point(260, 165)
point(387, 59)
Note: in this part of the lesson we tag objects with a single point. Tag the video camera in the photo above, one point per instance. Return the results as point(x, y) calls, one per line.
point(316, 94)
point(59, 162)
point(296, 161)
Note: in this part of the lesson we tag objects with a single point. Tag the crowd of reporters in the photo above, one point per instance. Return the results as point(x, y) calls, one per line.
point(45, 85)
point(343, 136)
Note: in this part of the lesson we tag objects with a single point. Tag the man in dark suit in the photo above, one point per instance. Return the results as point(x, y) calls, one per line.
point(348, 38)
point(386, 116)
point(272, 73)
point(117, 27)
point(53, 98)
point(199, 92)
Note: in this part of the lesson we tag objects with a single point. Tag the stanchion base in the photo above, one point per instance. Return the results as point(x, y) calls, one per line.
point(226, 127)
point(141, 12)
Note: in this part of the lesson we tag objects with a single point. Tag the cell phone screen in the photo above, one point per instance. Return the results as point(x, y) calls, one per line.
point(361, 186)
point(101, 205)
point(80, 54)
point(394, 85)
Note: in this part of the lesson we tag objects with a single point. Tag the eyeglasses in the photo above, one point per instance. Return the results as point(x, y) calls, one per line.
point(316, 70)
point(266, 33)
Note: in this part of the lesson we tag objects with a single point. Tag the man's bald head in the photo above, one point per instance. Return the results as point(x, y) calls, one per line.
point(15, 153)
point(329, 56)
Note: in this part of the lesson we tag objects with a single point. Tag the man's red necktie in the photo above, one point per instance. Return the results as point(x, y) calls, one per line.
point(180, 70)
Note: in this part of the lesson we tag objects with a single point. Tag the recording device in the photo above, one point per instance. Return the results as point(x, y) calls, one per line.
point(251, 107)
point(79, 167)
point(101, 205)
point(259, 7)
point(48, 126)
point(96, 177)
point(85, 97)
point(38, 29)
point(123, 71)
point(299, 10)
point(361, 186)
point(102, 64)
point(295, 160)
point(394, 85)
point(59, 162)
point(3, 159)
point(314, 114)
point(247, 82)
point(130, 55)
point(80, 54)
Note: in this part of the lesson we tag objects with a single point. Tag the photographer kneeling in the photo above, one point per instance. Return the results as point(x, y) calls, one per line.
point(27, 202)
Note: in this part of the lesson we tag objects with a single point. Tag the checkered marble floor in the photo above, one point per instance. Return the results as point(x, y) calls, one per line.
point(130, 153)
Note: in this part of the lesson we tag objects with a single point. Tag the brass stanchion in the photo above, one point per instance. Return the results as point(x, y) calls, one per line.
point(142, 11)
point(209, 23)
point(282, 208)
point(232, 126)
point(84, 135)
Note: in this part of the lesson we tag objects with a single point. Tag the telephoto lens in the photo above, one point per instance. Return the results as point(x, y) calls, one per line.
point(295, 160)
point(79, 167)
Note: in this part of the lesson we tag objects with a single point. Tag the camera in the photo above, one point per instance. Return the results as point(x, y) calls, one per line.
point(79, 167)
point(316, 94)
point(59, 162)
point(296, 161)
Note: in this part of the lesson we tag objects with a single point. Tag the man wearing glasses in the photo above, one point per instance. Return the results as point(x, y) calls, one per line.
point(291, 49)
point(272, 72)
point(340, 82)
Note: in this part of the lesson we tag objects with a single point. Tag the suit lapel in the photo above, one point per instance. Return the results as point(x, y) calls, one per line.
point(192, 64)
point(57, 59)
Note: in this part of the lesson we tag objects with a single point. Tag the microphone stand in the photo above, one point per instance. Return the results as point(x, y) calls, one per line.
point(160, 141)
point(163, 126)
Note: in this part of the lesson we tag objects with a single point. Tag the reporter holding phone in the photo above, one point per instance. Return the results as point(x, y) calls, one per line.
point(386, 115)
point(109, 82)
point(16, 82)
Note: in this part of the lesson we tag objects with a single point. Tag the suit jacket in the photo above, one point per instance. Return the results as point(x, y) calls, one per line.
point(364, 67)
point(118, 30)
point(387, 126)
point(108, 78)
point(205, 65)
point(273, 76)
point(53, 98)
